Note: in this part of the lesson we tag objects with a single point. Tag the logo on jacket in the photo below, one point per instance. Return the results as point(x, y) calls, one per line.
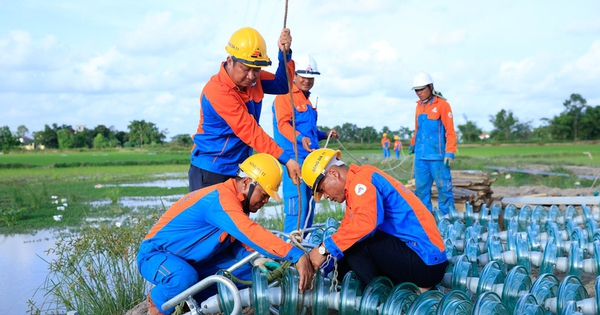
point(434, 110)
point(450, 114)
point(360, 189)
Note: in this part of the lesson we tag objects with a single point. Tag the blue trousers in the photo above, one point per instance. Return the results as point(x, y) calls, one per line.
point(172, 275)
point(397, 154)
point(427, 171)
point(386, 152)
point(290, 203)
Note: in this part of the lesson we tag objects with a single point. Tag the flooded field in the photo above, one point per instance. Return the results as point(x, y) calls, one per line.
point(23, 256)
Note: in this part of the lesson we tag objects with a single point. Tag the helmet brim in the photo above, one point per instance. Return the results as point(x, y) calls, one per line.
point(274, 195)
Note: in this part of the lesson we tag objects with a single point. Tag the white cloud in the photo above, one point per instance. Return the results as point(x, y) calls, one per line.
point(438, 39)
point(584, 27)
point(91, 65)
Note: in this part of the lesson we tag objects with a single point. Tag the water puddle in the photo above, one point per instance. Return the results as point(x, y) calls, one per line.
point(23, 270)
point(138, 202)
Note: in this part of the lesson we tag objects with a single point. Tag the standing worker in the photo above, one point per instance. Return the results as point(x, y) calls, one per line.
point(433, 143)
point(306, 136)
point(385, 145)
point(230, 107)
point(209, 230)
point(386, 231)
point(397, 146)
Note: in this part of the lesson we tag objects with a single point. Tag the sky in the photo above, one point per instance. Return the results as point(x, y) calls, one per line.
point(111, 62)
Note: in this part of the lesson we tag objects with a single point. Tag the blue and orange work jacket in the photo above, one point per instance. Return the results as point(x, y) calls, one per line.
point(206, 221)
point(306, 123)
point(375, 200)
point(228, 130)
point(385, 142)
point(434, 137)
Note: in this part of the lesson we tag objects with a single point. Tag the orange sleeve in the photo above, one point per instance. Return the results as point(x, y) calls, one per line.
point(448, 121)
point(253, 234)
point(412, 139)
point(360, 218)
point(233, 110)
point(283, 115)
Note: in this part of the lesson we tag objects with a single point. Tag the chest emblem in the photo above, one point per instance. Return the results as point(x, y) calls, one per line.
point(434, 110)
point(360, 189)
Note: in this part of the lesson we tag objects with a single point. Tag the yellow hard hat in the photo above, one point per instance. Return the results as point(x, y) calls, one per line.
point(396, 137)
point(247, 46)
point(313, 168)
point(266, 171)
point(385, 134)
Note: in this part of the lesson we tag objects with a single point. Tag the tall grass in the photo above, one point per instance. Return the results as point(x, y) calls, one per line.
point(95, 272)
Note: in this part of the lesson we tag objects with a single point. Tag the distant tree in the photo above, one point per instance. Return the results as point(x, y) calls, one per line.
point(405, 132)
point(145, 132)
point(574, 106)
point(101, 129)
point(47, 137)
point(80, 140)
point(183, 140)
point(504, 124)
point(8, 141)
point(522, 130)
point(542, 132)
point(369, 134)
point(469, 131)
point(589, 128)
point(387, 130)
point(122, 136)
point(100, 142)
point(22, 131)
point(65, 139)
point(347, 132)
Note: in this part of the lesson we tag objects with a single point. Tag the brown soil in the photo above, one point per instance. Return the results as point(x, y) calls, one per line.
point(501, 191)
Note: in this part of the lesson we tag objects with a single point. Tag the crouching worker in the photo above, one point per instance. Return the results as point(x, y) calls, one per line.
point(210, 229)
point(386, 230)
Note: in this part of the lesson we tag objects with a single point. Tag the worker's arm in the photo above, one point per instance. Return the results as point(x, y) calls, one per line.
point(448, 121)
point(233, 111)
point(283, 116)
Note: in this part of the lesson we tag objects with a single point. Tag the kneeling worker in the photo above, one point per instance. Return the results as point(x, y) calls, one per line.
point(386, 231)
point(210, 229)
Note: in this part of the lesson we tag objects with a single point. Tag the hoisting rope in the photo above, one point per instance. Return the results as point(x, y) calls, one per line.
point(295, 143)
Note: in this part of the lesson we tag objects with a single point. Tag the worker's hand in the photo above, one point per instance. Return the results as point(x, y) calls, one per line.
point(448, 161)
point(306, 144)
point(285, 40)
point(411, 149)
point(306, 273)
point(332, 133)
point(294, 171)
point(316, 259)
point(266, 264)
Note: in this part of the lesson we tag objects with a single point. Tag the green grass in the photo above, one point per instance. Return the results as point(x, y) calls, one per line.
point(25, 192)
point(86, 158)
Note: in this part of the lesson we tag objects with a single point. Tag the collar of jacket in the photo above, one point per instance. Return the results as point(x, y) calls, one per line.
point(224, 78)
point(431, 101)
point(231, 185)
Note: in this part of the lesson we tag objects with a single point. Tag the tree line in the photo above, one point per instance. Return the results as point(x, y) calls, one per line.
point(577, 121)
point(139, 133)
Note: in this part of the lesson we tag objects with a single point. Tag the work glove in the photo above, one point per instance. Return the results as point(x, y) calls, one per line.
point(411, 149)
point(266, 264)
point(448, 161)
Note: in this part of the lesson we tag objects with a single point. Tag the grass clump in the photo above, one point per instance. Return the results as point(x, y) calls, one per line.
point(94, 271)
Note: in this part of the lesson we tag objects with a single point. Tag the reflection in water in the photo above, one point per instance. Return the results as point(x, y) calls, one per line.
point(23, 269)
